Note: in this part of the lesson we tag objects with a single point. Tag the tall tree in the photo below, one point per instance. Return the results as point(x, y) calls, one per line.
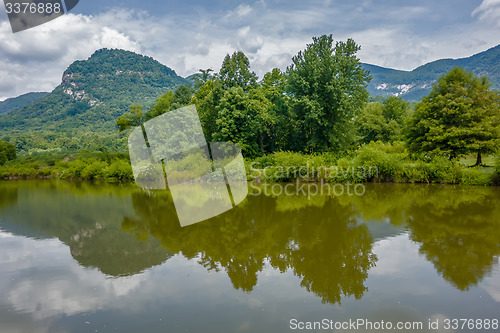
point(459, 116)
point(328, 87)
point(235, 72)
point(273, 87)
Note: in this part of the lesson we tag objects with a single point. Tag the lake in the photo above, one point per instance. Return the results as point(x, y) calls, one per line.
point(82, 257)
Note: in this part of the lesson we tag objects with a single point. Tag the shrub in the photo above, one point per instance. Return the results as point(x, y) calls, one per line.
point(474, 176)
point(381, 156)
point(119, 170)
point(94, 170)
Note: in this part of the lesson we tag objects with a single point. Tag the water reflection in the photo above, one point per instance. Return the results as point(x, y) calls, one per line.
point(322, 243)
point(326, 242)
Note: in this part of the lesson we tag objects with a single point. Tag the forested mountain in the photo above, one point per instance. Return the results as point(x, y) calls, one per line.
point(83, 109)
point(11, 104)
point(412, 85)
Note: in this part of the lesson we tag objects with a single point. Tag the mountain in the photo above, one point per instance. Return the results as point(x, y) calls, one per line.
point(11, 104)
point(82, 110)
point(412, 85)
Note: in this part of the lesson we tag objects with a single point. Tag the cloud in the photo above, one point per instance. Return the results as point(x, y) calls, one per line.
point(270, 34)
point(35, 59)
point(489, 11)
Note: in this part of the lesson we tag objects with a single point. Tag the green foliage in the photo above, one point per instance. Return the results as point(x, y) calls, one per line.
point(132, 119)
point(119, 170)
point(459, 116)
point(7, 152)
point(235, 72)
point(163, 104)
point(206, 99)
point(86, 166)
point(382, 121)
point(328, 87)
point(376, 161)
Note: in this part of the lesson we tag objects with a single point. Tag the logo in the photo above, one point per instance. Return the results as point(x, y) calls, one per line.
point(26, 14)
point(205, 180)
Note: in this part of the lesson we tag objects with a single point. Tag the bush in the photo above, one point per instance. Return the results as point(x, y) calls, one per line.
point(473, 176)
point(386, 158)
point(94, 170)
point(119, 170)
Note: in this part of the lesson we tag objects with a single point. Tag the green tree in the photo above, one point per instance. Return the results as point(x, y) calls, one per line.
point(182, 97)
point(235, 72)
point(244, 119)
point(131, 119)
point(273, 87)
point(7, 152)
point(459, 116)
point(206, 98)
point(383, 121)
point(163, 104)
point(202, 77)
point(328, 87)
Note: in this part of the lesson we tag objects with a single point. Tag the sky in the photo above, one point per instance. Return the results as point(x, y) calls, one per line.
point(192, 34)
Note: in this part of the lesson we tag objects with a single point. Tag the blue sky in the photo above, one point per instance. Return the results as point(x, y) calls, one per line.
point(192, 34)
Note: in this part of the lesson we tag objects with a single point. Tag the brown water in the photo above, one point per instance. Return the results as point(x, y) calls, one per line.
point(110, 258)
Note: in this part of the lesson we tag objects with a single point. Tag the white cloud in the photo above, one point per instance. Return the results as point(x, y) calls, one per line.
point(489, 11)
point(34, 60)
point(402, 37)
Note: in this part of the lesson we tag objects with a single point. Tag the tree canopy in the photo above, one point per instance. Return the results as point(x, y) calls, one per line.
point(459, 116)
point(327, 87)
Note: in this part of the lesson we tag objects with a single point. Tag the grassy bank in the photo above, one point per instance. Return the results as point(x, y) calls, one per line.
point(85, 166)
point(374, 162)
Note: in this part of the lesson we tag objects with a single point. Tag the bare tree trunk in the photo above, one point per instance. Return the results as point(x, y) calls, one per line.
point(479, 160)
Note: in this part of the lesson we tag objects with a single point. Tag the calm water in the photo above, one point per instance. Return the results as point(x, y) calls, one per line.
point(109, 258)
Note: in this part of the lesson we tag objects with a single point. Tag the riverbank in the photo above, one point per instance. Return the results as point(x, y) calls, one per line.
point(375, 162)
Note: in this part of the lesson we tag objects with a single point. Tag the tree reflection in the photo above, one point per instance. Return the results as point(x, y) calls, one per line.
point(459, 231)
point(321, 243)
point(8, 195)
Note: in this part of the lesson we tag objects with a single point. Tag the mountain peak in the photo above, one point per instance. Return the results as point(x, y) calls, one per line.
point(117, 61)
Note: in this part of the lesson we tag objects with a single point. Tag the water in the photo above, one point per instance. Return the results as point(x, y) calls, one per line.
point(112, 258)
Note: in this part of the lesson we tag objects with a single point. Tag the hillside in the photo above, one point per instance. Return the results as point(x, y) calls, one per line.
point(11, 104)
point(82, 110)
point(412, 85)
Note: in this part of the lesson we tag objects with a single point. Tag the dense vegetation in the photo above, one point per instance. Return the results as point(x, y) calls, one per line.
point(11, 104)
point(317, 113)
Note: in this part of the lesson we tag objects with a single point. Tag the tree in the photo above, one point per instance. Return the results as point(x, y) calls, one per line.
point(206, 98)
point(383, 121)
point(273, 87)
point(235, 72)
point(7, 152)
point(202, 77)
point(459, 116)
point(163, 104)
point(182, 97)
point(244, 119)
point(134, 118)
point(328, 87)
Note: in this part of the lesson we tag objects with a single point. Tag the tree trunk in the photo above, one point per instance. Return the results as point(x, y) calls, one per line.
point(479, 160)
